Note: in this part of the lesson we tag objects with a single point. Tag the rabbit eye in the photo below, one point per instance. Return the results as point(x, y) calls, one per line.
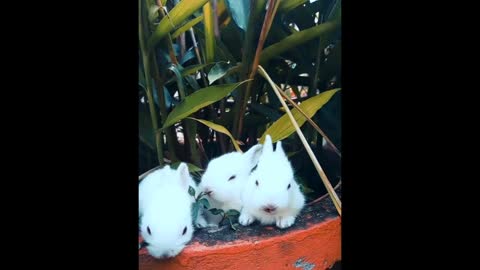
point(184, 230)
point(254, 168)
point(256, 183)
point(148, 230)
point(288, 187)
point(231, 177)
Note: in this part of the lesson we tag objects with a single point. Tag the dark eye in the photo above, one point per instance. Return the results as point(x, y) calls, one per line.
point(256, 183)
point(184, 230)
point(288, 187)
point(231, 177)
point(254, 168)
point(148, 230)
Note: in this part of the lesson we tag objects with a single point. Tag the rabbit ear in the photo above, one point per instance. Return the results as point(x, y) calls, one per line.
point(184, 175)
point(267, 145)
point(279, 148)
point(253, 154)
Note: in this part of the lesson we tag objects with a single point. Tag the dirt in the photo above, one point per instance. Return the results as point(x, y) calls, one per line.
point(313, 214)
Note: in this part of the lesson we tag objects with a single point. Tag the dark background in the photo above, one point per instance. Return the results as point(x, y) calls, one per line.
point(72, 130)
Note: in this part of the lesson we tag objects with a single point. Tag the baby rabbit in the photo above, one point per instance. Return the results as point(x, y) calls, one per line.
point(224, 179)
point(165, 211)
point(271, 194)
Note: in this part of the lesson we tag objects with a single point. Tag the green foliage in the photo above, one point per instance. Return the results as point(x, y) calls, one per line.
point(203, 73)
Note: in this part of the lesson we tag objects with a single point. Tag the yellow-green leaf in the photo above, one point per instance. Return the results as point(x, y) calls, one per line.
point(219, 128)
point(209, 24)
point(198, 100)
point(175, 17)
point(282, 128)
point(325, 31)
point(190, 70)
point(187, 26)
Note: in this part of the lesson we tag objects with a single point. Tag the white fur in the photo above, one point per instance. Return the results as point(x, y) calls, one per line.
point(274, 173)
point(226, 195)
point(165, 207)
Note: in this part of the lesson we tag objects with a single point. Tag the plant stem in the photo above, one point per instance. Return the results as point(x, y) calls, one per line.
point(170, 133)
point(267, 23)
point(247, 58)
point(323, 176)
point(151, 102)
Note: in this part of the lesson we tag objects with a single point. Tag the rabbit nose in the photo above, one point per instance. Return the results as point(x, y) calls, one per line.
point(269, 208)
point(208, 191)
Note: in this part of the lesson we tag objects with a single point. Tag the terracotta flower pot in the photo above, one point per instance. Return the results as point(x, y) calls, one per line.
point(313, 242)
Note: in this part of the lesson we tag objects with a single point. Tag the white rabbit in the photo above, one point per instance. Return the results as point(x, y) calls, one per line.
point(165, 209)
point(271, 194)
point(224, 179)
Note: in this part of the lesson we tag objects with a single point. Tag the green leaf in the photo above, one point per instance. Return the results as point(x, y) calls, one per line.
point(198, 100)
point(282, 128)
point(153, 13)
point(191, 191)
point(205, 203)
point(324, 31)
point(186, 26)
point(189, 55)
point(209, 25)
point(231, 224)
point(218, 71)
point(232, 212)
point(190, 70)
point(216, 211)
point(175, 17)
point(195, 208)
point(220, 129)
point(240, 10)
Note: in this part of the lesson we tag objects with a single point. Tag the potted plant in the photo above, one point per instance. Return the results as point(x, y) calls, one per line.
point(217, 76)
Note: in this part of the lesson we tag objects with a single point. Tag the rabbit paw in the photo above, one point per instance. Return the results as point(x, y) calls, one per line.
point(285, 222)
point(201, 222)
point(245, 219)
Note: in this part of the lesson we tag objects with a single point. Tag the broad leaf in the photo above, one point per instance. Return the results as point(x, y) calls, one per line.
point(240, 10)
point(191, 191)
point(218, 71)
point(205, 203)
point(198, 100)
point(209, 25)
point(325, 31)
point(187, 26)
point(175, 17)
point(283, 127)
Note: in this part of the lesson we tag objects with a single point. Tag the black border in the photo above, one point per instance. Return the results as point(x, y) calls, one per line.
point(77, 82)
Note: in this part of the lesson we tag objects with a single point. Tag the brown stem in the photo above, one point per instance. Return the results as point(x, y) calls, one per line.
point(257, 8)
point(267, 23)
point(325, 195)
